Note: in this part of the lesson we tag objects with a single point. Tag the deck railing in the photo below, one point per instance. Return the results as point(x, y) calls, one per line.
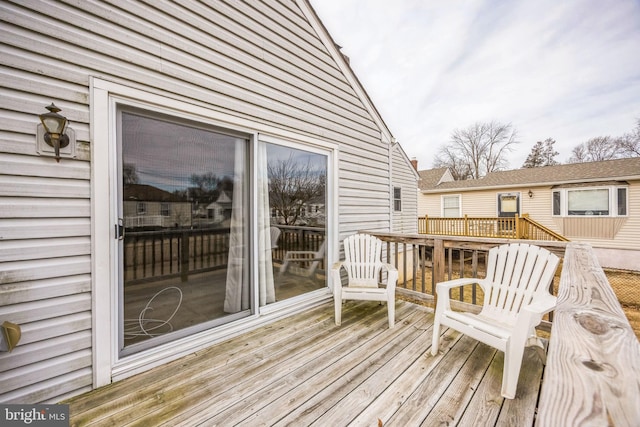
point(149, 255)
point(424, 260)
point(593, 371)
point(592, 375)
point(518, 227)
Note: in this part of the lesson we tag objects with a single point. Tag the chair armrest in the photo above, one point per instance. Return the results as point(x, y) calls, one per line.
point(302, 256)
point(442, 294)
point(531, 315)
point(337, 265)
point(542, 306)
point(392, 276)
point(335, 278)
point(389, 267)
point(449, 284)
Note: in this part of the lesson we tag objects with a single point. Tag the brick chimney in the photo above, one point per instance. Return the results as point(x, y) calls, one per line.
point(414, 162)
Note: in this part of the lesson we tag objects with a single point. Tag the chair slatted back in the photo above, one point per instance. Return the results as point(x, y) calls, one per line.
point(362, 260)
point(516, 274)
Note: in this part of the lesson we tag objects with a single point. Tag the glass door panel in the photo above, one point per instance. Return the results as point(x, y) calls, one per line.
point(295, 213)
point(184, 241)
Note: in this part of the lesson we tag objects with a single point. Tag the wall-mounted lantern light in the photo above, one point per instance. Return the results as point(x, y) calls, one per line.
point(55, 125)
point(530, 194)
point(10, 336)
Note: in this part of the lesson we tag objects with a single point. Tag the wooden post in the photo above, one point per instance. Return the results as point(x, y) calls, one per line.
point(466, 225)
point(517, 230)
point(438, 267)
point(184, 257)
point(426, 224)
point(438, 260)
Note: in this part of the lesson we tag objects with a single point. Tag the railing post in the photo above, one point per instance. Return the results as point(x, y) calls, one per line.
point(466, 225)
point(426, 224)
point(438, 260)
point(184, 257)
point(518, 231)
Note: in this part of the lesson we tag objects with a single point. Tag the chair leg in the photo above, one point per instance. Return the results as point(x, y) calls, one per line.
point(391, 307)
point(435, 341)
point(511, 370)
point(337, 300)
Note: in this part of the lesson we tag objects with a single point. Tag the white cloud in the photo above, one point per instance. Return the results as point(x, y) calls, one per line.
point(568, 70)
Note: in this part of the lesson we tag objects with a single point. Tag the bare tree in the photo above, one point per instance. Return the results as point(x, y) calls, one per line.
point(630, 142)
point(292, 185)
point(448, 158)
point(542, 154)
point(597, 149)
point(130, 174)
point(478, 149)
point(205, 187)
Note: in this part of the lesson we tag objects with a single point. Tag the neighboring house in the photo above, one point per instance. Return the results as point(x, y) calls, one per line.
point(221, 209)
point(311, 213)
point(166, 94)
point(597, 202)
point(145, 206)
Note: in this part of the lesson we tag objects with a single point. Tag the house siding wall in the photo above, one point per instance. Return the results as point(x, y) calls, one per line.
point(260, 61)
point(405, 221)
point(428, 204)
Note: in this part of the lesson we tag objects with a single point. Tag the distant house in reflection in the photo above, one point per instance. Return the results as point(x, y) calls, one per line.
point(149, 207)
point(312, 213)
point(220, 210)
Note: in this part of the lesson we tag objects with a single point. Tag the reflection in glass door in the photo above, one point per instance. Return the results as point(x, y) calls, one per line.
point(295, 225)
point(183, 227)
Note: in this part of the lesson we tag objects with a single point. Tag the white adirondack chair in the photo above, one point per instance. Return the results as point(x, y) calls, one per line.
point(363, 266)
point(274, 233)
point(516, 296)
point(311, 260)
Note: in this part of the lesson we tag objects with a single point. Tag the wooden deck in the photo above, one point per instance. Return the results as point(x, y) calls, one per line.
point(304, 370)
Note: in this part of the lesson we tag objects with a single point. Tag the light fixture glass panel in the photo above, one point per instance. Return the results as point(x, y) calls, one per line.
point(54, 124)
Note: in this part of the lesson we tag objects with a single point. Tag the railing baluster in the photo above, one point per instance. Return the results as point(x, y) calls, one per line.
point(414, 253)
point(461, 261)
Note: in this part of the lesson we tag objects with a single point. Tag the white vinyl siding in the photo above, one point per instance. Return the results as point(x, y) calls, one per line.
point(405, 178)
point(261, 62)
point(397, 199)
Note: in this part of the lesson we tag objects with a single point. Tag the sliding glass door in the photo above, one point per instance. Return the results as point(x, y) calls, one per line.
point(183, 228)
point(212, 225)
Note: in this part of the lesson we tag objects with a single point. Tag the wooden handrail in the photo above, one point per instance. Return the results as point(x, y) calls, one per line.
point(535, 228)
point(592, 375)
point(494, 227)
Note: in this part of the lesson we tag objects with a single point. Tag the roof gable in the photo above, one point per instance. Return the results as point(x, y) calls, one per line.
point(431, 178)
point(343, 65)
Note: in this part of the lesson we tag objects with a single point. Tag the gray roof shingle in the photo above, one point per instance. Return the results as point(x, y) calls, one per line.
point(570, 173)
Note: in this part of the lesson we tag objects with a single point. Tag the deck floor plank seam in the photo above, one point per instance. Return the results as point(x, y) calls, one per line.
point(461, 389)
point(281, 371)
point(251, 341)
point(150, 387)
point(325, 376)
point(304, 370)
point(205, 385)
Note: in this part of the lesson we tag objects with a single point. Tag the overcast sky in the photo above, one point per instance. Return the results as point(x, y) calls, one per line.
point(562, 69)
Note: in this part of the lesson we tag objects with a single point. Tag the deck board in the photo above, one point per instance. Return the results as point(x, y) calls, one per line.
point(304, 370)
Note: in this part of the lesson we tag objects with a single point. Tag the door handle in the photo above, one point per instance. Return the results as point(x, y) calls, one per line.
point(119, 228)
